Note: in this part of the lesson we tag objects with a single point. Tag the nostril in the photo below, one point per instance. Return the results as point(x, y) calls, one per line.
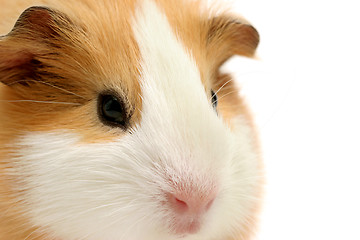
point(182, 204)
point(208, 205)
point(178, 204)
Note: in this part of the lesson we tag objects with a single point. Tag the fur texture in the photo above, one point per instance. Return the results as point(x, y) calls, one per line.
point(64, 175)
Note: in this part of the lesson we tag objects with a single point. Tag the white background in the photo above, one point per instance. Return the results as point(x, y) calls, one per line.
point(305, 95)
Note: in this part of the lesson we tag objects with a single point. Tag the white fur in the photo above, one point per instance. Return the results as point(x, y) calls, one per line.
point(115, 191)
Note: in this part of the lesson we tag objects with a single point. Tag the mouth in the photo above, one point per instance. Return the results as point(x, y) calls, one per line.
point(187, 227)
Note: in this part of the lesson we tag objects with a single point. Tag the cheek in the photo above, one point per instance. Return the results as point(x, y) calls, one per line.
point(77, 188)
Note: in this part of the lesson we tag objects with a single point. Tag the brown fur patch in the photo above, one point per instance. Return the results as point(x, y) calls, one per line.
point(66, 66)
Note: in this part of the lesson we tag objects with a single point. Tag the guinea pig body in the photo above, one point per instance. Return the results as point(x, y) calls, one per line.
point(117, 124)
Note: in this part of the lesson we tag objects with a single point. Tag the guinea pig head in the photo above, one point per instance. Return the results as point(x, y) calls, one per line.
point(116, 123)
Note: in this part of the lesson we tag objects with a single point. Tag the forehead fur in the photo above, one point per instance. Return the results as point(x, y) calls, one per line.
point(109, 25)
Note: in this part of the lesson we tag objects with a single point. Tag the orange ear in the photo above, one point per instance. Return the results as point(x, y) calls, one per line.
point(35, 20)
point(32, 37)
point(228, 36)
point(15, 64)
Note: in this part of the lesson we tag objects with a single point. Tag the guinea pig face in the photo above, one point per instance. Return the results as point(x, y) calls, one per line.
point(129, 131)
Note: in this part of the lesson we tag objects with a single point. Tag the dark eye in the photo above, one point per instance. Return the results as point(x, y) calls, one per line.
point(112, 111)
point(214, 99)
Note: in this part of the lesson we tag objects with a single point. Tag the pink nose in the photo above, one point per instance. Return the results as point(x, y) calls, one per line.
point(185, 204)
point(188, 209)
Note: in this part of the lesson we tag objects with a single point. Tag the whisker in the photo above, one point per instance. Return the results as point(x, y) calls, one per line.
point(220, 88)
point(36, 231)
point(132, 225)
point(96, 208)
point(113, 223)
point(37, 101)
point(48, 84)
point(226, 95)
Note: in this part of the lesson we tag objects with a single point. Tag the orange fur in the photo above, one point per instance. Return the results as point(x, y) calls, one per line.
point(94, 49)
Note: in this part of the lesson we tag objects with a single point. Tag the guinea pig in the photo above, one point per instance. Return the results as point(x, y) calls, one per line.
point(116, 122)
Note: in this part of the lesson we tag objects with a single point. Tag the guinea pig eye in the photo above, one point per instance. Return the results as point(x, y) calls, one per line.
point(111, 111)
point(214, 99)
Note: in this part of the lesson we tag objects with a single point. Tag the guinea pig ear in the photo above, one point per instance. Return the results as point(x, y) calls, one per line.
point(228, 36)
point(40, 21)
point(31, 37)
